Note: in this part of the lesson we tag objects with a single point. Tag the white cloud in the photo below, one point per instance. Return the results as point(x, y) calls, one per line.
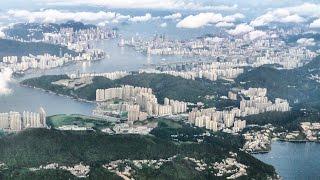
point(144, 18)
point(224, 24)
point(51, 16)
point(234, 17)
point(5, 78)
point(221, 8)
point(257, 34)
point(306, 42)
point(173, 16)
point(144, 4)
point(241, 29)
point(306, 9)
point(2, 35)
point(292, 19)
point(203, 19)
point(163, 25)
point(295, 14)
point(315, 24)
point(200, 20)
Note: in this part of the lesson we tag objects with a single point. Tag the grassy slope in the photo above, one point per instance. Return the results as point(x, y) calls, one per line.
point(79, 120)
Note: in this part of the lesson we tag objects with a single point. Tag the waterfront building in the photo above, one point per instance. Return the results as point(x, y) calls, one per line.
point(14, 121)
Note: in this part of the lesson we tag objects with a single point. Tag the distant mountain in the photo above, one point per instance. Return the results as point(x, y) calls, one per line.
point(29, 31)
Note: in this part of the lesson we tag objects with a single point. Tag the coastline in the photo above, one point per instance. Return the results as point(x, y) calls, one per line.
point(57, 94)
point(22, 74)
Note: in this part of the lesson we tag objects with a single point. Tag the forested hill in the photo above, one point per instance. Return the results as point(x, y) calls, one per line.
point(163, 86)
point(17, 48)
point(294, 85)
point(35, 147)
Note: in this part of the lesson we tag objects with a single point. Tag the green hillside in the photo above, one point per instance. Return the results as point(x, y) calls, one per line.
point(16, 48)
point(35, 147)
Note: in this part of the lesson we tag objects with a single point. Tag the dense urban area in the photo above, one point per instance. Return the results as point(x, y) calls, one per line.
point(224, 97)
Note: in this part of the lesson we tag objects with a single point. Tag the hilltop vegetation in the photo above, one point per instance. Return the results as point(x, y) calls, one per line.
point(294, 85)
point(35, 147)
point(163, 86)
point(284, 120)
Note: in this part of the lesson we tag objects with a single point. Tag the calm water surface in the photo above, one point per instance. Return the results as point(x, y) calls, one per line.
point(29, 99)
point(294, 160)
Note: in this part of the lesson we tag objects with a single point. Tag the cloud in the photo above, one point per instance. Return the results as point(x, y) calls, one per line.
point(234, 17)
point(200, 20)
point(295, 14)
point(143, 4)
point(224, 24)
point(163, 25)
point(292, 19)
point(2, 35)
point(221, 8)
point(306, 9)
point(144, 18)
point(306, 42)
point(280, 16)
point(203, 19)
point(241, 29)
point(315, 24)
point(173, 16)
point(257, 34)
point(5, 78)
point(51, 16)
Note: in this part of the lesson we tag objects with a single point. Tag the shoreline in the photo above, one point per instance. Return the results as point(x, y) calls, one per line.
point(57, 94)
point(36, 70)
point(283, 141)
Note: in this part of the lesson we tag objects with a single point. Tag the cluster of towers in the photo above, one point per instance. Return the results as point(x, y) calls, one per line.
point(216, 120)
point(125, 92)
point(259, 103)
point(255, 102)
point(15, 121)
point(145, 102)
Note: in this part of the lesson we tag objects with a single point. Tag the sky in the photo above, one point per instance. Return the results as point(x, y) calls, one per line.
point(165, 4)
point(235, 16)
point(190, 14)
